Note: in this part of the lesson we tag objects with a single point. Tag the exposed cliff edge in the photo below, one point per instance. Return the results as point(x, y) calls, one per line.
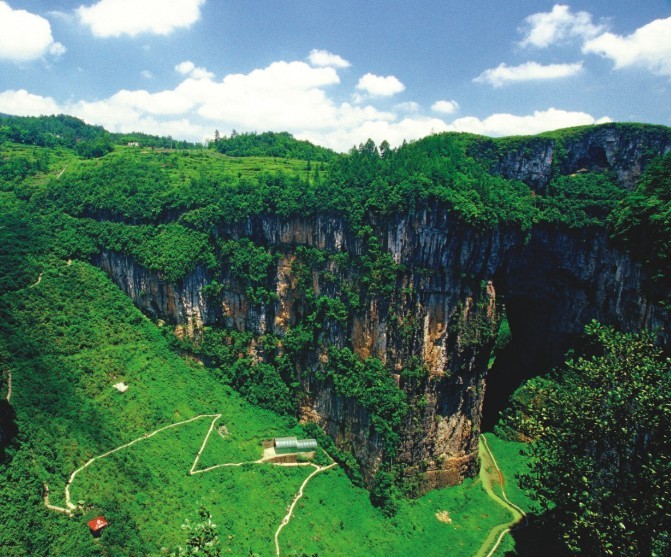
point(624, 151)
point(439, 306)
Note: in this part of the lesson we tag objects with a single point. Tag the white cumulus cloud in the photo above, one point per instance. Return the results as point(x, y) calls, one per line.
point(557, 26)
point(113, 18)
point(511, 124)
point(409, 106)
point(380, 86)
point(25, 36)
point(445, 107)
point(185, 67)
point(530, 71)
point(189, 68)
point(324, 58)
point(284, 96)
point(649, 47)
point(22, 103)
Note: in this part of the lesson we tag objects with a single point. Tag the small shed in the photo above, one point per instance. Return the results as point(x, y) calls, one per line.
point(97, 524)
point(285, 443)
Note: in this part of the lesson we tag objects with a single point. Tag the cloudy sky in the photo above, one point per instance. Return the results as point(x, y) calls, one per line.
point(337, 72)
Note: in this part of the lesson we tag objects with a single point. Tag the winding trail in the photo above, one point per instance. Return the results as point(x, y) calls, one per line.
point(497, 533)
point(287, 518)
point(39, 279)
point(70, 507)
point(68, 501)
point(45, 498)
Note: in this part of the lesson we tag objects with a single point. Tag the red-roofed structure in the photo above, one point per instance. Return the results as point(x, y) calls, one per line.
point(97, 524)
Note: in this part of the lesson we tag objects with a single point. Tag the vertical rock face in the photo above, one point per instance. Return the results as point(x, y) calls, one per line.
point(560, 280)
point(182, 304)
point(444, 312)
point(445, 306)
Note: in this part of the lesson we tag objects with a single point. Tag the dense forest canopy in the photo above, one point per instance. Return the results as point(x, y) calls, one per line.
point(68, 131)
point(602, 455)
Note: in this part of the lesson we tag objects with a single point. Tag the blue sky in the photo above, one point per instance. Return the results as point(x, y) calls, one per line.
point(337, 72)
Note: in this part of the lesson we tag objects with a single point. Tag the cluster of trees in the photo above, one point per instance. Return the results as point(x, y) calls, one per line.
point(15, 168)
point(601, 444)
point(68, 131)
point(155, 141)
point(49, 131)
point(21, 244)
point(57, 131)
point(271, 144)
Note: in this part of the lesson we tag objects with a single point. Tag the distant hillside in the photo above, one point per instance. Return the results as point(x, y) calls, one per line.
point(67, 131)
point(48, 131)
point(271, 144)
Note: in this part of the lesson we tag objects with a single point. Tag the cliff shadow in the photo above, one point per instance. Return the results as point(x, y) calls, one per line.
point(8, 428)
point(534, 538)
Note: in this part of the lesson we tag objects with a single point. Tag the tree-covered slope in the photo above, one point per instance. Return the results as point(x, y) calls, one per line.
point(70, 335)
point(271, 144)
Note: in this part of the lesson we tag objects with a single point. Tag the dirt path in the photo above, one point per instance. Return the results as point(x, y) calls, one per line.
point(68, 501)
point(70, 507)
point(491, 474)
point(287, 518)
point(45, 498)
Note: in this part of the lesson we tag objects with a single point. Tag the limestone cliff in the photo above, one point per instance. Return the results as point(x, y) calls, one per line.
point(624, 151)
point(443, 306)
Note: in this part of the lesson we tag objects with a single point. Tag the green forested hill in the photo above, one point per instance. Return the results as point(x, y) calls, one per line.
point(271, 144)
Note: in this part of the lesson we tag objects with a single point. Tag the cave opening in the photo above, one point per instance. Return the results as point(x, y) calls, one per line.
point(596, 159)
point(533, 348)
